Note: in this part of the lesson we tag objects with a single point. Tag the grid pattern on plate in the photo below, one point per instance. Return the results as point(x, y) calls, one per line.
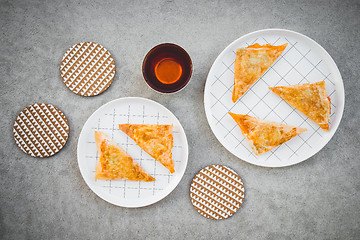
point(135, 113)
point(297, 65)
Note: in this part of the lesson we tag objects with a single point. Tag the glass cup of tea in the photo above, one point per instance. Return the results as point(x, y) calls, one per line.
point(167, 68)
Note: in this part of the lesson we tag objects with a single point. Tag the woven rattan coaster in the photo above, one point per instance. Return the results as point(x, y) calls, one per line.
point(217, 192)
point(87, 69)
point(41, 130)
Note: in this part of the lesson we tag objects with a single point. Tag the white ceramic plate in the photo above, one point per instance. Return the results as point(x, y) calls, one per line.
point(303, 61)
point(138, 111)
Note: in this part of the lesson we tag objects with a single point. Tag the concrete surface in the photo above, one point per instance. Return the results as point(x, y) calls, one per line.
point(48, 199)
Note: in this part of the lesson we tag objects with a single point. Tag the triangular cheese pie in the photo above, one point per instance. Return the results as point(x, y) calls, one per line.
point(156, 140)
point(114, 163)
point(309, 98)
point(251, 63)
point(264, 135)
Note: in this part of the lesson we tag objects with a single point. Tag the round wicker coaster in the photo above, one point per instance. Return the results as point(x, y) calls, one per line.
point(41, 130)
point(217, 192)
point(87, 69)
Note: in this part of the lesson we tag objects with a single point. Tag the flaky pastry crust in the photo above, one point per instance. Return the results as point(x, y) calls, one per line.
point(264, 135)
point(309, 98)
point(114, 163)
point(251, 63)
point(156, 140)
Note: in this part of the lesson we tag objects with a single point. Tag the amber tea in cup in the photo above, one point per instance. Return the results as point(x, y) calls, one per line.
point(167, 68)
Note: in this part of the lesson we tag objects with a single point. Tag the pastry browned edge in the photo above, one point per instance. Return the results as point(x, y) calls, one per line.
point(309, 98)
point(251, 63)
point(156, 140)
point(264, 135)
point(114, 163)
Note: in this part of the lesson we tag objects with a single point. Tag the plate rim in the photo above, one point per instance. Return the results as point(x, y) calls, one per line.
point(341, 96)
point(172, 185)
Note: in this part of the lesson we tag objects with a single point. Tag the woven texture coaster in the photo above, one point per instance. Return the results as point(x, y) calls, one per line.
point(41, 130)
point(87, 69)
point(217, 192)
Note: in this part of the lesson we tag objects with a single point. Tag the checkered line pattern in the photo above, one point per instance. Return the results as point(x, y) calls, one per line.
point(217, 192)
point(41, 130)
point(136, 113)
point(87, 68)
point(297, 65)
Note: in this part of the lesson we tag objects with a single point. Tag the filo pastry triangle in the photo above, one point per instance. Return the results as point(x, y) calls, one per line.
point(114, 163)
point(251, 63)
point(264, 135)
point(309, 98)
point(156, 140)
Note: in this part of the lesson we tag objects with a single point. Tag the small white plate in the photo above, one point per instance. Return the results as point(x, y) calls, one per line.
point(303, 61)
point(137, 111)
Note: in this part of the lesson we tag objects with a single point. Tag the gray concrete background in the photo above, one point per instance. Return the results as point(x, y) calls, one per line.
point(48, 199)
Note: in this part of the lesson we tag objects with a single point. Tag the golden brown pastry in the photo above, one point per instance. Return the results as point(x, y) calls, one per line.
point(309, 98)
point(156, 140)
point(114, 163)
point(264, 135)
point(251, 63)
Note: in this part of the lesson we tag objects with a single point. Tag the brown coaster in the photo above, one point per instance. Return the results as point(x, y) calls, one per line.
point(41, 130)
point(217, 192)
point(87, 69)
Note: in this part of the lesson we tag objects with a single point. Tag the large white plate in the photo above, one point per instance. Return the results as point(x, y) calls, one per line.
point(138, 111)
point(302, 61)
